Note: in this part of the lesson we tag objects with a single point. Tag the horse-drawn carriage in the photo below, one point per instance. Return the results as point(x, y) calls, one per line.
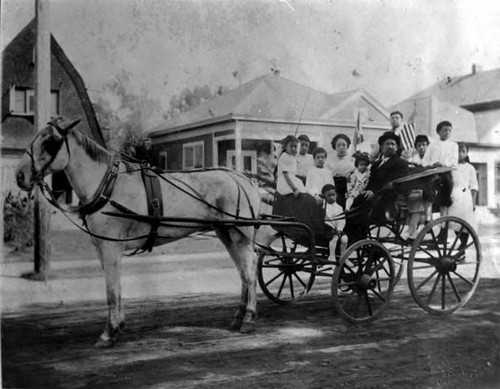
point(442, 269)
point(123, 206)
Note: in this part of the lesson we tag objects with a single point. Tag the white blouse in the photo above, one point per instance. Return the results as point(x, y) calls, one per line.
point(288, 163)
point(443, 151)
point(316, 179)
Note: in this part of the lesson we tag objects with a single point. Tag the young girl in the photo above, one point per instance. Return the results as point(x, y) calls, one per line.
point(287, 182)
point(358, 179)
point(464, 192)
point(332, 212)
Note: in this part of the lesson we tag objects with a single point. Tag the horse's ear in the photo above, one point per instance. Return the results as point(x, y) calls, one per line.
point(71, 125)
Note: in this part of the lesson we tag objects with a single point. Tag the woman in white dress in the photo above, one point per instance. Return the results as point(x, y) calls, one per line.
point(465, 189)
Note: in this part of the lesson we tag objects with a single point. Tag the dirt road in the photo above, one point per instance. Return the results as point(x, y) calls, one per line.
point(183, 342)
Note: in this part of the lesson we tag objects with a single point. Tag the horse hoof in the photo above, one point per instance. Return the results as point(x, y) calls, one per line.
point(247, 327)
point(236, 324)
point(105, 343)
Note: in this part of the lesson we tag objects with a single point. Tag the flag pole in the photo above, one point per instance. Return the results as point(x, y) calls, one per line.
point(302, 113)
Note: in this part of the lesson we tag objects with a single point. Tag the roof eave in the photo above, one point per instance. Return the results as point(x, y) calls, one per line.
point(191, 126)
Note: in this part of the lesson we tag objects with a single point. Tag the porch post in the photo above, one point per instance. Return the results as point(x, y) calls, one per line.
point(237, 148)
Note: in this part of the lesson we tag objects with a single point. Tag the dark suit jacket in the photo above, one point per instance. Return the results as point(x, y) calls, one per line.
point(394, 167)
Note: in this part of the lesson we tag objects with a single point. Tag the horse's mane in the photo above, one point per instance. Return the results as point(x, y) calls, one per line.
point(95, 151)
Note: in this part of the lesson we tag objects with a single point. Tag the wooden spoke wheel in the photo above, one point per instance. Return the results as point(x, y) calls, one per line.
point(285, 271)
point(390, 237)
point(444, 265)
point(363, 281)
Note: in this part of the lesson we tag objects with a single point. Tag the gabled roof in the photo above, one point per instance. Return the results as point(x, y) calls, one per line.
point(475, 89)
point(269, 97)
point(26, 38)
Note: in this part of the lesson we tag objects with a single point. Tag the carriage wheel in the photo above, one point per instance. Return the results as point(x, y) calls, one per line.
point(399, 252)
point(363, 281)
point(285, 273)
point(443, 269)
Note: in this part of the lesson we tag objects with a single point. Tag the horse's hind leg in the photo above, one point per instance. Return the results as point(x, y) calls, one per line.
point(241, 251)
point(110, 254)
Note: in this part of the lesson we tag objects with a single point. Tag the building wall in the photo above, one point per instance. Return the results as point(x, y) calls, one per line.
point(488, 126)
point(175, 147)
point(490, 157)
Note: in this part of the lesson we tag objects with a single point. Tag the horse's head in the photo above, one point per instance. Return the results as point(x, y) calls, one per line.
point(45, 154)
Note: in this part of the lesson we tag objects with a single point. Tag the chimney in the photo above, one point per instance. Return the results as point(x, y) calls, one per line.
point(476, 68)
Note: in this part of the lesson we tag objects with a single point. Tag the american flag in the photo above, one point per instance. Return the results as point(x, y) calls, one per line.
point(407, 133)
point(358, 133)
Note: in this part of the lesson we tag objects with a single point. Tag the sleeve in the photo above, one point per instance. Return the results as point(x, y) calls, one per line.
point(454, 155)
point(286, 163)
point(473, 178)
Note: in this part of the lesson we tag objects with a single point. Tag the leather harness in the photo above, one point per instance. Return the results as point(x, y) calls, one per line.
point(153, 196)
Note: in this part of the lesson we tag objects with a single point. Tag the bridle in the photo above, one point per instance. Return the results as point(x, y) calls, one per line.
point(57, 138)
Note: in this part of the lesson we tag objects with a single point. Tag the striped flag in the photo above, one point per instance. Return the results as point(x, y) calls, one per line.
point(407, 133)
point(358, 133)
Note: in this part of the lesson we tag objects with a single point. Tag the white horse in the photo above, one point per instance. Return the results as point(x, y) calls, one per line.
point(206, 195)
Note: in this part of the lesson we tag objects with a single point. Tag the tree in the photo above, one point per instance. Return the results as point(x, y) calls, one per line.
point(128, 116)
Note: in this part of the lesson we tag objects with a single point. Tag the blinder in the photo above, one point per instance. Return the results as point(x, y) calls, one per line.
point(52, 145)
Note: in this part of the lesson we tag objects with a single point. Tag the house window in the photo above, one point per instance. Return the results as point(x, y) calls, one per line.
point(22, 102)
point(249, 160)
point(193, 155)
point(162, 163)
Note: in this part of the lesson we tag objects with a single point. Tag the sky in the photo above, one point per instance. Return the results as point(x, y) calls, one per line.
point(392, 49)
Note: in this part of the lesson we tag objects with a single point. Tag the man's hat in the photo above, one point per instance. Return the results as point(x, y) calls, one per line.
point(389, 135)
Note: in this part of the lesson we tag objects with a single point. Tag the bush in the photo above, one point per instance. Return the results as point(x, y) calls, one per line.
point(18, 220)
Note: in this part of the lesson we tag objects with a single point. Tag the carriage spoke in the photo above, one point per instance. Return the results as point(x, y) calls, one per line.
point(291, 286)
point(463, 279)
point(443, 291)
point(379, 295)
point(379, 266)
point(281, 286)
point(426, 280)
point(427, 252)
point(445, 244)
point(423, 267)
point(368, 305)
point(356, 308)
point(433, 289)
point(300, 280)
point(274, 278)
point(437, 241)
point(457, 234)
point(454, 287)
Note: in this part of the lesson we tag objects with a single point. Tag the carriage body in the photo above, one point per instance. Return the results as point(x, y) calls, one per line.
point(442, 268)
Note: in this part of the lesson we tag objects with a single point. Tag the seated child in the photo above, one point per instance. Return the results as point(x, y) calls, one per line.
point(319, 175)
point(332, 219)
point(421, 144)
point(358, 178)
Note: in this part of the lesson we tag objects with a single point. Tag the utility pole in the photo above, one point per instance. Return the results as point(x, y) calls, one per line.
point(42, 117)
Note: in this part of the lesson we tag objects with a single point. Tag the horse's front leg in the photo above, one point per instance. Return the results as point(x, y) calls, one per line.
point(110, 254)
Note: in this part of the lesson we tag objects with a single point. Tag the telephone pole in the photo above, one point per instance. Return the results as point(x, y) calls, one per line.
point(42, 117)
